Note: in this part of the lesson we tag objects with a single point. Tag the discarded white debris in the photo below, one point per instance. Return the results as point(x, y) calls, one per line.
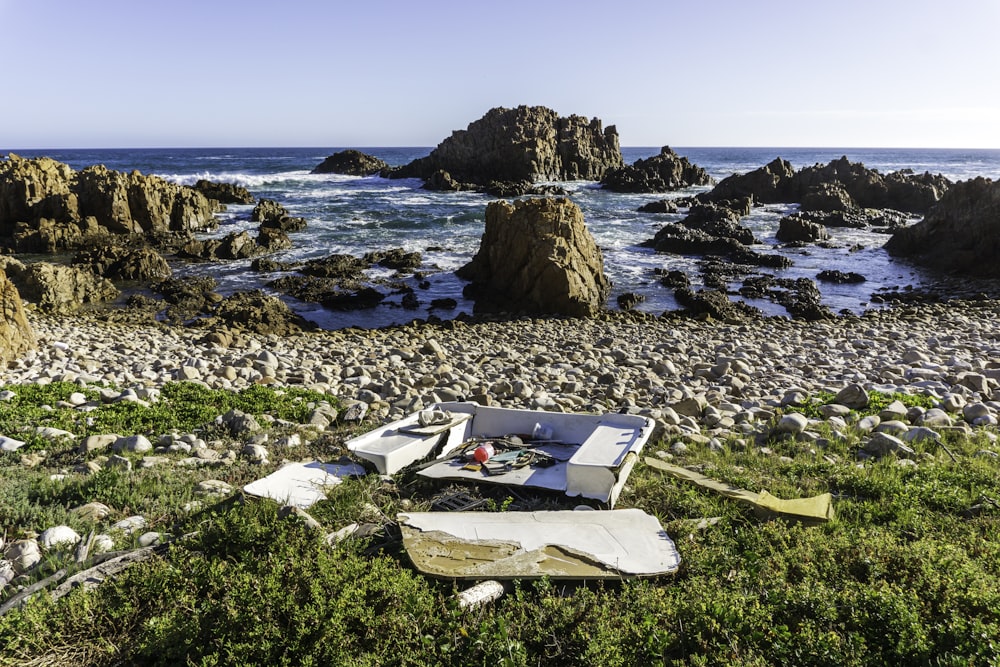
point(302, 484)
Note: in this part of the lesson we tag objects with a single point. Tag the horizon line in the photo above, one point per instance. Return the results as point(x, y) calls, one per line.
point(5, 151)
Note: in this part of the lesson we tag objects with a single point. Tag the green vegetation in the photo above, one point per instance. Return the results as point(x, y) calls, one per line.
point(907, 573)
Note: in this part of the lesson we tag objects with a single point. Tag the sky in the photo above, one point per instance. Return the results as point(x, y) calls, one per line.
point(328, 73)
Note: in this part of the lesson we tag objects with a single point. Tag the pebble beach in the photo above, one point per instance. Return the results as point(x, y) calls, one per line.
point(695, 377)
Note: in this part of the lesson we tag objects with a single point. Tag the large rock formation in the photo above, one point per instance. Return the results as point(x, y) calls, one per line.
point(961, 233)
point(16, 335)
point(45, 204)
point(522, 144)
point(351, 163)
point(841, 185)
point(537, 256)
point(55, 288)
point(660, 173)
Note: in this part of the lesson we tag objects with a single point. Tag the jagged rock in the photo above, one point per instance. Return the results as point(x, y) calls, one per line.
point(260, 313)
point(226, 193)
point(134, 203)
point(843, 185)
point(828, 197)
point(768, 184)
point(441, 181)
point(50, 207)
point(840, 277)
point(961, 233)
point(58, 289)
point(521, 144)
point(800, 296)
point(630, 300)
point(537, 256)
point(120, 262)
point(395, 258)
point(661, 206)
point(268, 210)
point(660, 173)
point(16, 335)
point(672, 278)
point(350, 163)
point(272, 239)
point(341, 267)
point(794, 228)
point(714, 304)
point(284, 223)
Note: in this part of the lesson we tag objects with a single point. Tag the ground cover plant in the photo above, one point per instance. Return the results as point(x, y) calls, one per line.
point(908, 572)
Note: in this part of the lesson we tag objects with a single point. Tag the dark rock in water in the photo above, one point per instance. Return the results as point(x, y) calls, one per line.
point(715, 304)
point(260, 313)
point(268, 210)
point(410, 301)
point(537, 256)
point(284, 223)
point(124, 262)
point(799, 296)
point(629, 300)
point(840, 277)
point(366, 297)
point(266, 265)
point(271, 239)
point(769, 184)
point(961, 233)
point(188, 297)
point(661, 206)
point(338, 266)
point(793, 228)
point(828, 197)
point(351, 163)
point(838, 186)
point(441, 181)
point(396, 258)
point(444, 304)
point(226, 193)
point(16, 334)
point(672, 278)
point(522, 144)
point(660, 173)
point(235, 245)
point(508, 189)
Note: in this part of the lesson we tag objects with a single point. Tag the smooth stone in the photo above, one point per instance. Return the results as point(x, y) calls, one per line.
point(58, 536)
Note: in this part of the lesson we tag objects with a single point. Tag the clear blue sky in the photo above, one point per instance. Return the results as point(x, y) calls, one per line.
point(327, 73)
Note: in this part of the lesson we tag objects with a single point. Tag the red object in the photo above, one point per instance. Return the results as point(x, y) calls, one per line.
point(483, 452)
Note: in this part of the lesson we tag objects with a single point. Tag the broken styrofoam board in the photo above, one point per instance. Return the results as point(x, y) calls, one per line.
point(302, 484)
point(521, 545)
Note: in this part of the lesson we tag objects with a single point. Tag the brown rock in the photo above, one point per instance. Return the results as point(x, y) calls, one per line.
point(522, 144)
point(58, 289)
point(537, 256)
point(16, 335)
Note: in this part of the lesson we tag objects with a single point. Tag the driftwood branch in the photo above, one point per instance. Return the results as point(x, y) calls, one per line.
point(31, 590)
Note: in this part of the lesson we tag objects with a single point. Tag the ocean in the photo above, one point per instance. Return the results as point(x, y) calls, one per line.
point(356, 215)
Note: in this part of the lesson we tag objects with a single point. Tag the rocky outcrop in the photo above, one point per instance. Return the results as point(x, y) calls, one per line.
point(797, 229)
point(271, 214)
point(16, 335)
point(58, 289)
point(960, 233)
point(47, 205)
point(259, 313)
point(351, 163)
point(124, 262)
point(537, 256)
point(841, 185)
point(660, 173)
point(522, 144)
point(225, 193)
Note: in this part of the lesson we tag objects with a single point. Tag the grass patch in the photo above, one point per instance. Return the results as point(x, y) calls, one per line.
point(907, 573)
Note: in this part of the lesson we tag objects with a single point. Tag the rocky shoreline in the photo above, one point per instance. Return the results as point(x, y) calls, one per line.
point(698, 378)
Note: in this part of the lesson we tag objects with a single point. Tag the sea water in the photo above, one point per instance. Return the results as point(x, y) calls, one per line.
point(355, 215)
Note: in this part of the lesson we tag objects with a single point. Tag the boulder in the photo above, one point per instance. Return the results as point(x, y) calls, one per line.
point(351, 163)
point(960, 233)
point(16, 335)
point(42, 195)
point(260, 313)
point(225, 193)
point(660, 173)
point(537, 256)
point(768, 184)
point(268, 211)
point(58, 289)
point(124, 262)
point(521, 144)
point(795, 228)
